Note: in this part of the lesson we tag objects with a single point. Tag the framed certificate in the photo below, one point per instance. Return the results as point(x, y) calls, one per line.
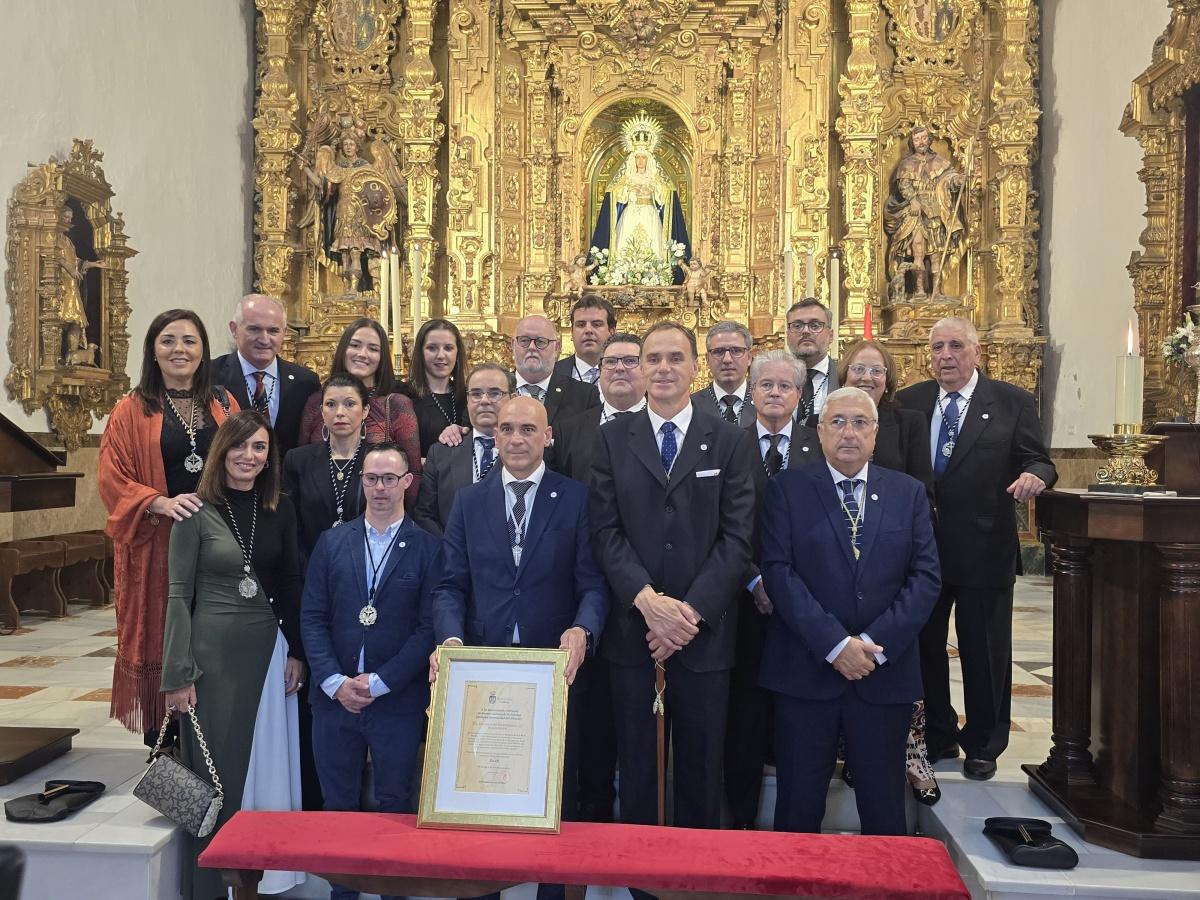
point(497, 729)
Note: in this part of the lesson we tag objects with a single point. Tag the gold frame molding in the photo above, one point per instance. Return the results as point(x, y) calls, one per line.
point(1156, 117)
point(71, 390)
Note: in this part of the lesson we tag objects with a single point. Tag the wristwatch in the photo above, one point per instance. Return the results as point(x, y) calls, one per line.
point(591, 641)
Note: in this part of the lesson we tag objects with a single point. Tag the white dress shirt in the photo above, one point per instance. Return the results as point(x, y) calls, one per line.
point(477, 447)
point(860, 491)
point(935, 421)
point(682, 421)
point(738, 394)
point(607, 410)
point(582, 367)
point(270, 384)
point(543, 384)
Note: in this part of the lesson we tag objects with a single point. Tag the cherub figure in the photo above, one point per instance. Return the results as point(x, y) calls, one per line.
point(697, 280)
point(577, 274)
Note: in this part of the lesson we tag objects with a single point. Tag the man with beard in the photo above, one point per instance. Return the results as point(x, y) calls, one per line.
point(809, 334)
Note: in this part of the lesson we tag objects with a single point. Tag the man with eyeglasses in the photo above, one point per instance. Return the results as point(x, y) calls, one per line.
point(535, 347)
point(729, 347)
point(850, 563)
point(593, 320)
point(985, 442)
point(365, 617)
point(809, 334)
point(449, 468)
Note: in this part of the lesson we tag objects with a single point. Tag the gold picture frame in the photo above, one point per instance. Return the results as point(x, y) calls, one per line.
point(510, 703)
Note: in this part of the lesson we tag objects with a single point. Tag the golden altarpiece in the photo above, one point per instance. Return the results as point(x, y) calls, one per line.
point(782, 130)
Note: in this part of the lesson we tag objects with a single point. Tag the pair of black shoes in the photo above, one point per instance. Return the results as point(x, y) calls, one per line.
point(975, 768)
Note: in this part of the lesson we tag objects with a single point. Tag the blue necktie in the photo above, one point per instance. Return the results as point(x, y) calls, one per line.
point(485, 464)
point(853, 519)
point(591, 375)
point(669, 447)
point(516, 523)
point(941, 459)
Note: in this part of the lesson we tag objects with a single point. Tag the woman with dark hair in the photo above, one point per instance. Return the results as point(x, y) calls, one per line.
point(231, 646)
point(437, 375)
point(151, 456)
point(323, 478)
point(365, 353)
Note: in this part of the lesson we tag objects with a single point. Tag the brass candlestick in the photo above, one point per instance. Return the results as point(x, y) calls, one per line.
point(1126, 471)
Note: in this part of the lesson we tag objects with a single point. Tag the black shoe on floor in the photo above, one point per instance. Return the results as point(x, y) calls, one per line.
point(979, 769)
point(927, 796)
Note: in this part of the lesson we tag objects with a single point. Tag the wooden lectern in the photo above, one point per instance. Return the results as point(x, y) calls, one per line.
point(1124, 763)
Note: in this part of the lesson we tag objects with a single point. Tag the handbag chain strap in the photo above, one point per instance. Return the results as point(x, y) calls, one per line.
point(212, 770)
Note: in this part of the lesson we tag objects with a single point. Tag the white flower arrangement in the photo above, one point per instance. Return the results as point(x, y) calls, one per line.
point(637, 264)
point(1179, 342)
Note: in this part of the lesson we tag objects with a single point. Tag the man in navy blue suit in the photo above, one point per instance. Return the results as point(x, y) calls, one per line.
point(850, 564)
point(366, 617)
point(518, 567)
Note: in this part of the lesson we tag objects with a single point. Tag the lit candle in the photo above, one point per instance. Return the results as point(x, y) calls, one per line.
point(789, 288)
point(394, 295)
point(385, 305)
point(835, 286)
point(1131, 371)
point(810, 274)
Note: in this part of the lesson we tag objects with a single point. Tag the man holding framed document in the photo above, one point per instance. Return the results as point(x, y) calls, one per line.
point(518, 568)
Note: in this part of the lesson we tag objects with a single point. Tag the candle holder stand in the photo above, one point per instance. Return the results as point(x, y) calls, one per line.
point(1126, 471)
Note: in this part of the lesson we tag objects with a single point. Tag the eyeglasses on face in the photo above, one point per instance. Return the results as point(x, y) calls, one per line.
point(860, 370)
point(388, 479)
point(493, 394)
point(611, 362)
point(857, 423)
point(735, 352)
point(524, 340)
point(813, 325)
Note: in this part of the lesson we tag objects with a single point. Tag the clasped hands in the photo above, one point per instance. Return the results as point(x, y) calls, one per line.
point(355, 693)
point(672, 622)
point(857, 659)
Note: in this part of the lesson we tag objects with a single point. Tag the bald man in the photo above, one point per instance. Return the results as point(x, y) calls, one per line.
point(518, 568)
point(535, 349)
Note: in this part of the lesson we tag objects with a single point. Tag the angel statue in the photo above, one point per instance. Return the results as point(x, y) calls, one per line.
point(577, 274)
point(358, 201)
point(697, 280)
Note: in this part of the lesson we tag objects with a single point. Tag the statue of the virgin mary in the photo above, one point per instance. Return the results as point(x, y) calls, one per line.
point(640, 219)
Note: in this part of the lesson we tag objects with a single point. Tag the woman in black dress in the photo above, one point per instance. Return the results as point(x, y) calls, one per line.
point(323, 478)
point(437, 377)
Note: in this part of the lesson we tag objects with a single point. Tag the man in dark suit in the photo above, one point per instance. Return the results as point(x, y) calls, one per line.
point(518, 566)
point(673, 511)
point(623, 390)
point(729, 346)
point(535, 348)
point(367, 631)
point(809, 334)
point(448, 469)
point(255, 374)
point(988, 454)
point(593, 320)
point(776, 380)
point(850, 563)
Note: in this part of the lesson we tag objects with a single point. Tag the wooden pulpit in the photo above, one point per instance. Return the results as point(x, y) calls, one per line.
point(1124, 762)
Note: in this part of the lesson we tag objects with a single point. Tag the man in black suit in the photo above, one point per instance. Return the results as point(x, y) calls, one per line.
point(729, 347)
point(535, 347)
point(255, 374)
point(447, 469)
point(593, 320)
point(673, 518)
point(987, 450)
point(776, 380)
point(623, 389)
point(809, 334)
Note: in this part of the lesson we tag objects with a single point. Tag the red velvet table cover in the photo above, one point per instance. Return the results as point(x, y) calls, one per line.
point(675, 859)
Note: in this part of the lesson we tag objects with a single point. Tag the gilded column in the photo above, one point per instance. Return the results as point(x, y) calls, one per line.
point(275, 138)
point(861, 92)
point(1012, 131)
point(737, 165)
point(539, 162)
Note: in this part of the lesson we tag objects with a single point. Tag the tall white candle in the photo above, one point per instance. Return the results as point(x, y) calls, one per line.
point(1131, 373)
point(789, 286)
point(385, 301)
point(835, 287)
point(810, 273)
point(394, 296)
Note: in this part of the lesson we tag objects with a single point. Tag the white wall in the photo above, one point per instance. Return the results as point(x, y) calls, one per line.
point(165, 89)
point(1092, 202)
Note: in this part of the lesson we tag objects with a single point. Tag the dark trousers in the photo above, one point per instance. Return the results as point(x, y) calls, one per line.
point(983, 622)
point(597, 742)
point(696, 704)
point(806, 739)
point(748, 731)
point(340, 743)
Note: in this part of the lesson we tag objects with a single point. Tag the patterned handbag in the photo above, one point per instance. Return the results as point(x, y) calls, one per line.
point(177, 792)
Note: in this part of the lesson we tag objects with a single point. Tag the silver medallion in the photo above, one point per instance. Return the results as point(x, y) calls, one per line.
point(193, 463)
point(367, 616)
point(248, 587)
point(947, 449)
point(337, 522)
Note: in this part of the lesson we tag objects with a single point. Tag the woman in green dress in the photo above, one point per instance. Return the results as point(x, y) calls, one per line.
point(231, 645)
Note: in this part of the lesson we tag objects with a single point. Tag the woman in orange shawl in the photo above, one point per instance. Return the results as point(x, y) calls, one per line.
point(151, 457)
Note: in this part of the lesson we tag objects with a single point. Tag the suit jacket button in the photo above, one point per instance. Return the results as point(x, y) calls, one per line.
point(516, 592)
point(670, 509)
point(669, 547)
point(859, 595)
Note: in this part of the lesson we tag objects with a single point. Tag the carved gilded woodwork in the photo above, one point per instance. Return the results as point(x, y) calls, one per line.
point(1156, 117)
point(68, 342)
point(786, 123)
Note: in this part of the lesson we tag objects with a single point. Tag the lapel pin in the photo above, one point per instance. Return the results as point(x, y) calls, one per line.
point(402, 545)
point(874, 496)
point(984, 416)
point(558, 390)
point(704, 446)
point(291, 378)
point(553, 494)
